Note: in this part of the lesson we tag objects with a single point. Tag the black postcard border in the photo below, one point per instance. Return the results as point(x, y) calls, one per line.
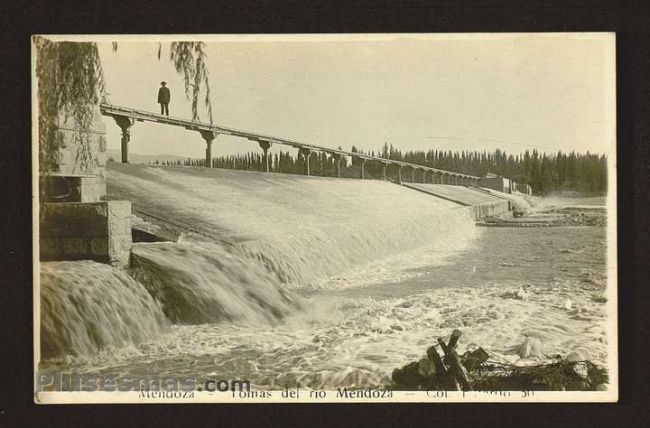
point(629, 19)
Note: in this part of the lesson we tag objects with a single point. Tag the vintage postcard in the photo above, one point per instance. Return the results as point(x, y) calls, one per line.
point(325, 218)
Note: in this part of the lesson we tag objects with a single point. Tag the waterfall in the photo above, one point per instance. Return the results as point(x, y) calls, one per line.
point(203, 282)
point(254, 238)
point(86, 306)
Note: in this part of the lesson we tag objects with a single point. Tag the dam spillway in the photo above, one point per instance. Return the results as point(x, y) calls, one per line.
point(324, 282)
point(247, 239)
point(302, 228)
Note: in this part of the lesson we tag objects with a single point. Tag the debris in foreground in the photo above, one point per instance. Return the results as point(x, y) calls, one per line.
point(475, 370)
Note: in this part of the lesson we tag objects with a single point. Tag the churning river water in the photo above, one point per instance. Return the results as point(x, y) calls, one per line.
point(330, 301)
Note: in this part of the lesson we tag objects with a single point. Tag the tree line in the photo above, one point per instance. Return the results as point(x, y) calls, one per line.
point(544, 172)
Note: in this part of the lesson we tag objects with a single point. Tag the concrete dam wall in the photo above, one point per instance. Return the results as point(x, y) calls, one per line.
point(477, 201)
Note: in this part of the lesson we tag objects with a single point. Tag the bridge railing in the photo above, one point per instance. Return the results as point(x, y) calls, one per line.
point(125, 117)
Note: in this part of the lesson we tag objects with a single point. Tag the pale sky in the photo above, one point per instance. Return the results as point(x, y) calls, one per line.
point(513, 92)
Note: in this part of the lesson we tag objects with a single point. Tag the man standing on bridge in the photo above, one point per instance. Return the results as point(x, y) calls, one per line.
point(163, 98)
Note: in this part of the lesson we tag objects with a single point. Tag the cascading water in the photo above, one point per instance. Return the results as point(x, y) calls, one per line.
point(255, 238)
point(326, 283)
point(301, 229)
point(202, 282)
point(87, 306)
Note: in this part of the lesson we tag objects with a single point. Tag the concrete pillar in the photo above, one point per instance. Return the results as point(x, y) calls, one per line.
point(208, 136)
point(99, 231)
point(337, 158)
point(306, 153)
point(266, 145)
point(125, 123)
point(363, 168)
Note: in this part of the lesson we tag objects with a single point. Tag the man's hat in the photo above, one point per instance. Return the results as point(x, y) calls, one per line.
point(163, 83)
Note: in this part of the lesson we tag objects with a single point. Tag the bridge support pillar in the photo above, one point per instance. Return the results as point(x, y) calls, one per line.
point(363, 168)
point(399, 175)
point(424, 176)
point(413, 175)
point(208, 136)
point(306, 153)
point(383, 170)
point(125, 123)
point(337, 158)
point(265, 146)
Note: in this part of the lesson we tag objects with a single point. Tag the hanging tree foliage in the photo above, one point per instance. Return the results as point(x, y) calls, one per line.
point(189, 60)
point(71, 83)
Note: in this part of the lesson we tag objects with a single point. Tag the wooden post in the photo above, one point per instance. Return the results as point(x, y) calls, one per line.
point(453, 360)
point(363, 167)
point(432, 354)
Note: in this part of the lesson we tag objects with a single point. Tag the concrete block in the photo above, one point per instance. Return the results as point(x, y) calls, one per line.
point(73, 188)
point(65, 159)
point(489, 208)
point(50, 247)
point(99, 246)
point(70, 135)
point(68, 121)
point(102, 143)
point(93, 231)
point(75, 248)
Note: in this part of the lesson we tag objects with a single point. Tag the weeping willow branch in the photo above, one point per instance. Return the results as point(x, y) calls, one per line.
point(189, 59)
point(70, 84)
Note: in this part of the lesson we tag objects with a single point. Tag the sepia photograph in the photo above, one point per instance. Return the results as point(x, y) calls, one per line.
point(325, 218)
